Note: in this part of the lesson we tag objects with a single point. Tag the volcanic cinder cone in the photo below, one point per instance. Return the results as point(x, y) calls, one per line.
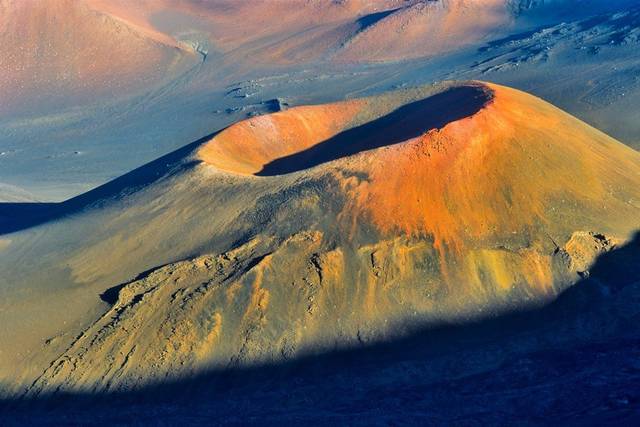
point(314, 228)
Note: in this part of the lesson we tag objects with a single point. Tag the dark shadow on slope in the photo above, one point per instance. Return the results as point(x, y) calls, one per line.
point(373, 18)
point(110, 296)
point(573, 361)
point(19, 216)
point(16, 216)
point(406, 122)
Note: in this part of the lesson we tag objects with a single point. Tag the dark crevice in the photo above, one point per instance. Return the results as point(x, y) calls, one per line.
point(110, 296)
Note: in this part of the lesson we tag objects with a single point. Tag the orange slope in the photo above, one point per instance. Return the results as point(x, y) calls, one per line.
point(347, 31)
point(518, 173)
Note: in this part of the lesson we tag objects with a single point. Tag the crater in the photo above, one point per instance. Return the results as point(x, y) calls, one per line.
point(303, 137)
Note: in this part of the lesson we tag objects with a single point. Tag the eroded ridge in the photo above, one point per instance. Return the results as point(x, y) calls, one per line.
point(231, 310)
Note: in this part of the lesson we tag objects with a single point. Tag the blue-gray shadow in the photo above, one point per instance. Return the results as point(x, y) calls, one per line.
point(20, 216)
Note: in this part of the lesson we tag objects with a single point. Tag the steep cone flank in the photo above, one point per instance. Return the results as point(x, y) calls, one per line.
point(509, 167)
point(492, 200)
